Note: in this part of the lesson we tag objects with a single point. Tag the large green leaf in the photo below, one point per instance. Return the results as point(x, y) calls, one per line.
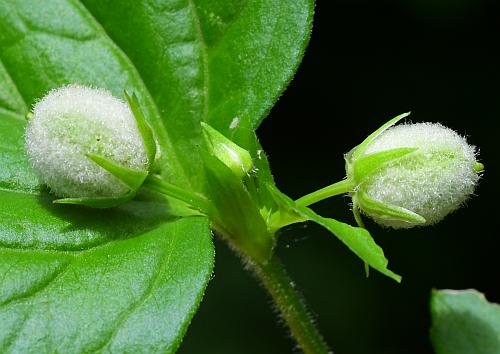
point(130, 278)
point(222, 61)
point(133, 295)
point(464, 322)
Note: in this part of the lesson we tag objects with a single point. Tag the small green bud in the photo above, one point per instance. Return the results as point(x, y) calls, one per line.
point(80, 139)
point(412, 174)
point(232, 155)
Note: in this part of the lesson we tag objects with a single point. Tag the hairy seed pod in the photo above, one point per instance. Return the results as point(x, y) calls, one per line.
point(413, 174)
point(73, 122)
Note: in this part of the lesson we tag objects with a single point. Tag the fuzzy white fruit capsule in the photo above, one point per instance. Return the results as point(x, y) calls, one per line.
point(413, 174)
point(73, 122)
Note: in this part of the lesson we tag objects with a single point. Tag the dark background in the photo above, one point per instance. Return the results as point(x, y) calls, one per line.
point(367, 62)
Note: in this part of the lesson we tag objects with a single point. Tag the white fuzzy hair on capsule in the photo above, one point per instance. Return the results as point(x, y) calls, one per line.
point(73, 121)
point(433, 181)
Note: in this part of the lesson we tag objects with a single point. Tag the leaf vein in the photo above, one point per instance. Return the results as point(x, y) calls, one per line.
point(11, 340)
point(15, 115)
point(35, 29)
point(90, 248)
point(215, 46)
point(61, 271)
point(147, 293)
point(204, 58)
point(14, 85)
point(173, 156)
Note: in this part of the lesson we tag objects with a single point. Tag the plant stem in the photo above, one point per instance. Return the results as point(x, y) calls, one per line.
point(340, 187)
point(271, 273)
point(291, 306)
point(194, 200)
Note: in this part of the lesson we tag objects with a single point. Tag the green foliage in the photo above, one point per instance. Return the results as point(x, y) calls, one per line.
point(135, 294)
point(357, 239)
point(237, 216)
point(79, 280)
point(463, 322)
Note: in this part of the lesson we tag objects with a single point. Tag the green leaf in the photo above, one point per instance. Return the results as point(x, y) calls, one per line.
point(464, 322)
point(130, 295)
point(222, 62)
point(357, 239)
point(15, 171)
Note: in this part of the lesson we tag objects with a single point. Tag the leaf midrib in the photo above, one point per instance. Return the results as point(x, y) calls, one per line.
point(42, 286)
point(91, 248)
point(147, 293)
point(13, 114)
point(84, 10)
point(204, 57)
point(23, 99)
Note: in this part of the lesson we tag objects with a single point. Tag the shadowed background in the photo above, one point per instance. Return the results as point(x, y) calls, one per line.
point(367, 62)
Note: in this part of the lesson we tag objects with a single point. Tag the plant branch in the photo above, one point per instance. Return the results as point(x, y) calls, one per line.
point(194, 200)
point(340, 187)
point(269, 271)
point(291, 306)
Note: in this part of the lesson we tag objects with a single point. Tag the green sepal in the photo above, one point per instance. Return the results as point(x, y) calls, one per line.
point(357, 239)
point(97, 202)
point(358, 151)
point(144, 128)
point(131, 178)
point(368, 164)
point(386, 211)
point(233, 156)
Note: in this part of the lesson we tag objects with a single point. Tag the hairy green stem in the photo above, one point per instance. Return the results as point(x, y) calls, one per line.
point(291, 306)
point(271, 273)
point(340, 187)
point(285, 296)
